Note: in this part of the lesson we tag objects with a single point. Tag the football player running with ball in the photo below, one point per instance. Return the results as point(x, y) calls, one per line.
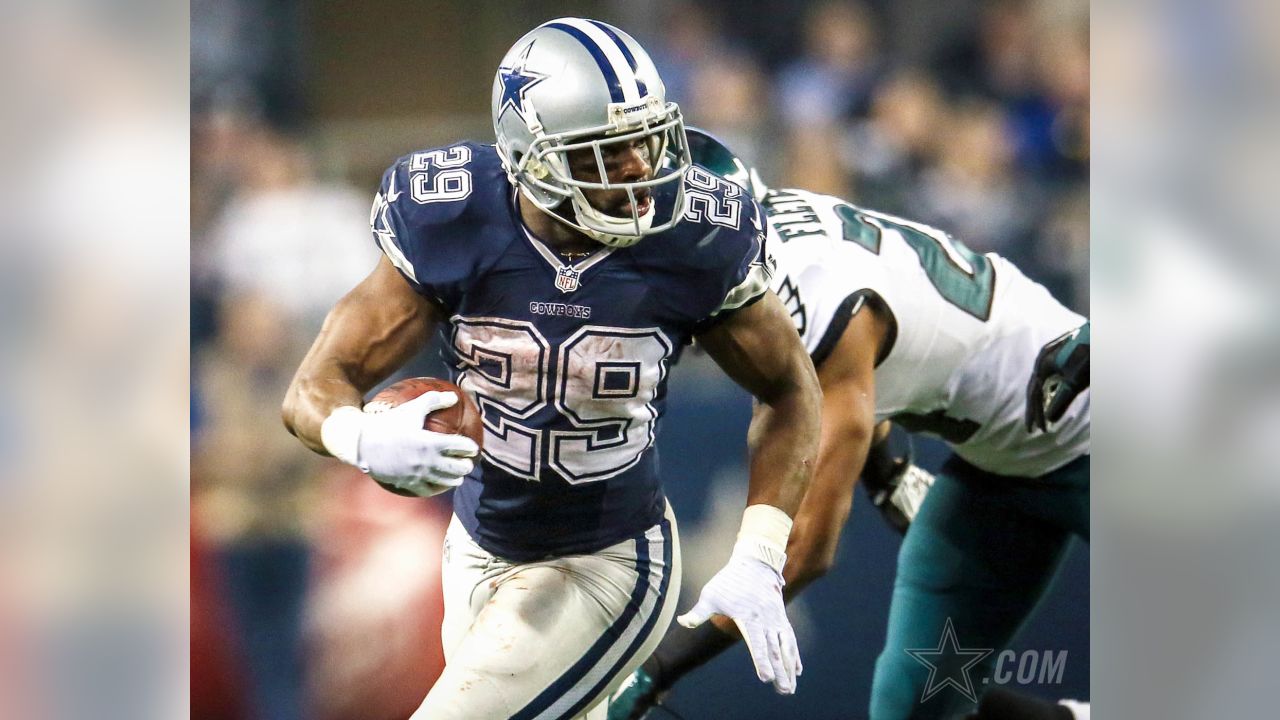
point(907, 325)
point(565, 269)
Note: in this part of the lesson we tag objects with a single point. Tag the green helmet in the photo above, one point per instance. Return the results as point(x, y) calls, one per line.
point(708, 151)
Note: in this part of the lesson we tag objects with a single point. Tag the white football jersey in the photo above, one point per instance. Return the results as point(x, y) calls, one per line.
point(966, 330)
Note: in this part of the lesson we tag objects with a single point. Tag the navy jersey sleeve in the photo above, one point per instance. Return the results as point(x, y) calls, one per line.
point(752, 267)
point(432, 215)
point(729, 251)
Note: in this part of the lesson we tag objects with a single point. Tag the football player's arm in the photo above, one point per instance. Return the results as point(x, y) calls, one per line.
point(758, 347)
point(370, 333)
point(847, 380)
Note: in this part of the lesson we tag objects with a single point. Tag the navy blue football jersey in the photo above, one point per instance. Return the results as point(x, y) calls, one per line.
point(567, 362)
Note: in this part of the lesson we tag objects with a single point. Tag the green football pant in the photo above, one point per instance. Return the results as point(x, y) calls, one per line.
point(980, 555)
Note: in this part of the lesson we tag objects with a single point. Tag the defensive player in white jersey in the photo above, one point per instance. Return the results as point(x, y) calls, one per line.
point(907, 326)
point(565, 267)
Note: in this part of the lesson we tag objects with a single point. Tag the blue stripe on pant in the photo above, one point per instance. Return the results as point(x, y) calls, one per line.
point(571, 678)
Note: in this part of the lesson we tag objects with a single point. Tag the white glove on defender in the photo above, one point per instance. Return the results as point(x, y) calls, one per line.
point(392, 447)
point(748, 590)
point(913, 484)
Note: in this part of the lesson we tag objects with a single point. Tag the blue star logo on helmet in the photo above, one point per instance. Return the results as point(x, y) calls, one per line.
point(516, 81)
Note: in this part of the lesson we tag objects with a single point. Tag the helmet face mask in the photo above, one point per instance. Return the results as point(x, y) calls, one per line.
point(664, 145)
point(600, 104)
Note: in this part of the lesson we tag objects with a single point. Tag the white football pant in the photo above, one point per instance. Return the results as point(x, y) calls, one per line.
point(549, 639)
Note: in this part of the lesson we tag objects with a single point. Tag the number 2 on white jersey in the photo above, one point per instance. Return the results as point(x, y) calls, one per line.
point(943, 258)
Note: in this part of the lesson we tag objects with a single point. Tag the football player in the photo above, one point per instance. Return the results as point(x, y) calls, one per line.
point(565, 268)
point(908, 327)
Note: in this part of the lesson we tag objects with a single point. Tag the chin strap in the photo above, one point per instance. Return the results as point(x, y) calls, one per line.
point(601, 236)
point(596, 223)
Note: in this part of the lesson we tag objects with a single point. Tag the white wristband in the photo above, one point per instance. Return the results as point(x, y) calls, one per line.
point(340, 433)
point(764, 534)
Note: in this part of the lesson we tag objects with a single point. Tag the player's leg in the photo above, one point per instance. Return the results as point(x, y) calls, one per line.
point(465, 574)
point(549, 639)
point(1067, 503)
point(979, 555)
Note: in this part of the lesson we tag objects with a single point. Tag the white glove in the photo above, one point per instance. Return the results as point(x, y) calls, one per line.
point(392, 447)
point(748, 590)
point(913, 484)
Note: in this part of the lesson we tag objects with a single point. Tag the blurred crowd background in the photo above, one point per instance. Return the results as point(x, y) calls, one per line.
point(314, 593)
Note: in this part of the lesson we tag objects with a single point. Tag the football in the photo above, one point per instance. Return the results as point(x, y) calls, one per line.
point(461, 419)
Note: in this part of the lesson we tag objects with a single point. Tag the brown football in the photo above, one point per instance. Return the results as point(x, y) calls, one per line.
point(461, 419)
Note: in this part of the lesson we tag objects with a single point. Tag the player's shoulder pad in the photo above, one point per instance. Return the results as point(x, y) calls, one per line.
point(721, 241)
point(438, 214)
point(722, 223)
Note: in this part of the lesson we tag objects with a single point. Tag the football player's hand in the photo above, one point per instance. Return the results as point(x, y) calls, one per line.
point(1060, 374)
point(895, 484)
point(748, 590)
point(393, 447)
point(900, 499)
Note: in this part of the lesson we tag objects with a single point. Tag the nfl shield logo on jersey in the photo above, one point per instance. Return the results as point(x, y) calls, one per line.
point(567, 279)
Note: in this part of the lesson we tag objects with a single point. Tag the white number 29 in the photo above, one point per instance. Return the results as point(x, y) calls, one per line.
point(604, 384)
point(450, 181)
point(701, 203)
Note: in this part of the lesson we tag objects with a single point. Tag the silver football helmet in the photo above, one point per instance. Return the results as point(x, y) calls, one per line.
point(574, 84)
